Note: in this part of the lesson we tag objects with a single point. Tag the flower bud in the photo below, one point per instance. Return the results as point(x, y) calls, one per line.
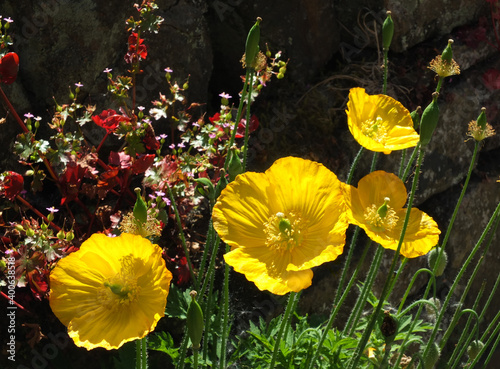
point(140, 208)
point(70, 235)
point(195, 321)
point(429, 120)
point(252, 44)
point(60, 235)
point(432, 356)
point(387, 31)
point(474, 349)
point(235, 167)
point(432, 259)
point(431, 312)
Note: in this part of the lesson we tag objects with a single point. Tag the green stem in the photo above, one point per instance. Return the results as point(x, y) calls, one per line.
point(195, 358)
point(144, 345)
point(353, 363)
point(417, 273)
point(410, 162)
point(386, 59)
point(284, 322)
point(138, 354)
point(225, 316)
point(183, 239)
point(247, 124)
point(367, 287)
point(354, 165)
point(347, 264)
point(336, 307)
point(461, 273)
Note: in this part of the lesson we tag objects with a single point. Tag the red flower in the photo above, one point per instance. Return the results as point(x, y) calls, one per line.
point(12, 185)
point(109, 120)
point(135, 49)
point(9, 65)
point(254, 124)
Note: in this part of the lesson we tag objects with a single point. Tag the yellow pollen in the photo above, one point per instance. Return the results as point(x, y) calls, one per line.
point(381, 218)
point(375, 129)
point(122, 289)
point(283, 233)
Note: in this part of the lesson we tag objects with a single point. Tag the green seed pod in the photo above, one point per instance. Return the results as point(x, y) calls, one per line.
point(474, 349)
point(61, 235)
point(429, 120)
point(140, 208)
point(415, 117)
point(70, 235)
point(447, 54)
point(432, 258)
point(195, 321)
point(387, 31)
point(481, 119)
point(432, 356)
point(252, 44)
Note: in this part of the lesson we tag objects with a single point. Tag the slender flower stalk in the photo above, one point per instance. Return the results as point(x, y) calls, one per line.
point(371, 323)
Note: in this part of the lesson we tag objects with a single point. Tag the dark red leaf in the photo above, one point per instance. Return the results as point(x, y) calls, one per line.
point(12, 185)
point(143, 163)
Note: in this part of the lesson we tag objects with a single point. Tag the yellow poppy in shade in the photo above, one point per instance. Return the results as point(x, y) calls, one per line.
point(379, 123)
point(111, 291)
point(377, 207)
point(281, 223)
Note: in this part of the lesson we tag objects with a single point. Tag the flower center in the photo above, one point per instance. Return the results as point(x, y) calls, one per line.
point(375, 129)
point(381, 219)
point(283, 233)
point(122, 289)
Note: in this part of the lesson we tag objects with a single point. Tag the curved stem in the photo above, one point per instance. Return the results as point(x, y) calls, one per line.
point(354, 165)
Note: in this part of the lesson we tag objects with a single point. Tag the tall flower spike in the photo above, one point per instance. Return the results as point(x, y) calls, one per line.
point(111, 291)
point(281, 223)
point(379, 123)
point(377, 207)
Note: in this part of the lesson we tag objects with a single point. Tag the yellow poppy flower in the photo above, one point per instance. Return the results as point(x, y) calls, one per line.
point(281, 223)
point(111, 291)
point(377, 207)
point(379, 123)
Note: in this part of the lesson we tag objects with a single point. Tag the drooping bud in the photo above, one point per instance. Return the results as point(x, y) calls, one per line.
point(432, 356)
point(474, 349)
point(387, 31)
point(429, 120)
point(429, 309)
point(140, 208)
point(252, 44)
point(195, 321)
point(436, 265)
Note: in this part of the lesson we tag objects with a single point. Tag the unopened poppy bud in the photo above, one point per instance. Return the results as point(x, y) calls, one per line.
point(387, 31)
point(474, 349)
point(252, 44)
point(429, 309)
point(221, 184)
point(429, 120)
point(447, 54)
point(140, 208)
point(436, 265)
point(432, 356)
point(195, 321)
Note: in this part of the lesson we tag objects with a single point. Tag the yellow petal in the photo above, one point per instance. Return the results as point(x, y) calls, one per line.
point(396, 126)
point(95, 315)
